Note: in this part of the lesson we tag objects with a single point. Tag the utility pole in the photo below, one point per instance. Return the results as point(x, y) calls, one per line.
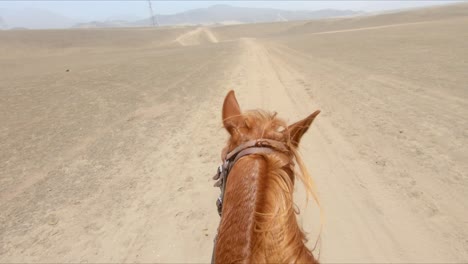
point(154, 19)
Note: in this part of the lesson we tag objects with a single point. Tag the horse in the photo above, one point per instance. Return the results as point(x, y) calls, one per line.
point(258, 218)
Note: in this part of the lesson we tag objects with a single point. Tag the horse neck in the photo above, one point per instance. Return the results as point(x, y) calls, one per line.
point(250, 202)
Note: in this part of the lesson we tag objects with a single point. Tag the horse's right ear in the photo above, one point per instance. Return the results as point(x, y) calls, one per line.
point(231, 112)
point(298, 129)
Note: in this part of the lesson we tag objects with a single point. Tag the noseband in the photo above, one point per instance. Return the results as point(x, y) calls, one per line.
point(256, 146)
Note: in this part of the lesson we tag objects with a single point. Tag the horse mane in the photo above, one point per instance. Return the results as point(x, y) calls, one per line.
point(278, 236)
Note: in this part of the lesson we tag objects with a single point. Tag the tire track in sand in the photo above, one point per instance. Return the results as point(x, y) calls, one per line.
point(200, 35)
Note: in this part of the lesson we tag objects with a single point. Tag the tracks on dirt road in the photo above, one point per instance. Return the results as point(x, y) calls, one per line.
point(366, 219)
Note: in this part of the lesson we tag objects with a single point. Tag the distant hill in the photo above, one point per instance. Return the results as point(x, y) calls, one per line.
point(221, 13)
point(430, 13)
point(34, 18)
point(225, 14)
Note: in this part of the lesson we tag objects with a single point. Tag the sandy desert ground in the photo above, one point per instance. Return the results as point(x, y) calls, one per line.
point(109, 138)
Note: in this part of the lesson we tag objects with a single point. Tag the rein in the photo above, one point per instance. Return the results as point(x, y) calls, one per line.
point(256, 146)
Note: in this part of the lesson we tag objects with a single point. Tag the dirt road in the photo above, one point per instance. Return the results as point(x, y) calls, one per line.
point(111, 161)
point(356, 187)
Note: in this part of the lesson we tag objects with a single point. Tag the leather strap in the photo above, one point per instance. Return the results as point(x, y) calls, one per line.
point(250, 151)
point(265, 143)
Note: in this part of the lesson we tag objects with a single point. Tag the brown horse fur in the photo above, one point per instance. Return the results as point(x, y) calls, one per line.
point(259, 223)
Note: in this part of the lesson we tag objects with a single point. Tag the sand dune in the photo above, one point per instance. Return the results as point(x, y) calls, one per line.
point(405, 17)
point(35, 43)
point(109, 137)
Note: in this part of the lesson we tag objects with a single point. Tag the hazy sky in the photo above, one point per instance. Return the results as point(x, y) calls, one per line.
point(98, 10)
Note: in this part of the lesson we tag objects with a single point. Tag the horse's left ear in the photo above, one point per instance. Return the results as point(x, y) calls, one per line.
point(298, 129)
point(231, 112)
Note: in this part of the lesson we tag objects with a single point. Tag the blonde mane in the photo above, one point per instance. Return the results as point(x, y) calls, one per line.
point(278, 236)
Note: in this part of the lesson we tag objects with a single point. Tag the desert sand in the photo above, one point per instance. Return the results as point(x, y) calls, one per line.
point(109, 138)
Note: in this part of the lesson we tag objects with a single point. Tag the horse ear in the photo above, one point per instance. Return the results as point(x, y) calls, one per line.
point(231, 112)
point(298, 129)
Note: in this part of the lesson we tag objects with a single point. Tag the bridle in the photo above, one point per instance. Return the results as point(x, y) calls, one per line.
point(256, 146)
